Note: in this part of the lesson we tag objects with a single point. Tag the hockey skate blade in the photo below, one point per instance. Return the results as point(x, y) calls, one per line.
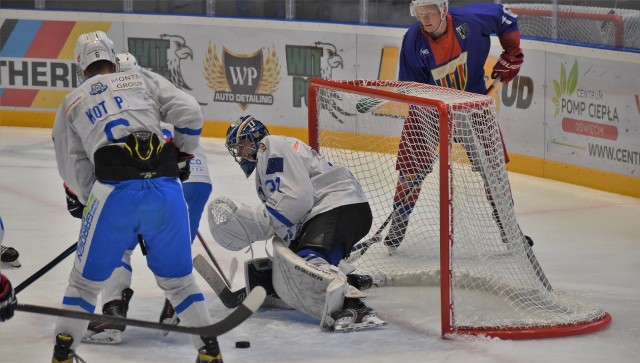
point(107, 336)
point(369, 324)
point(12, 264)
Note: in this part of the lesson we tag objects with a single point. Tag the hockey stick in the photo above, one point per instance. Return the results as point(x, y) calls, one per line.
point(213, 259)
point(249, 306)
point(229, 298)
point(46, 268)
point(360, 248)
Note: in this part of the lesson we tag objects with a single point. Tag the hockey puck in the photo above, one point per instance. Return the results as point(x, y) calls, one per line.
point(243, 344)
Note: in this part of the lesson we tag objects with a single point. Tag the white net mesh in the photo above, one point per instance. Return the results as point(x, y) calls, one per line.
point(582, 24)
point(496, 281)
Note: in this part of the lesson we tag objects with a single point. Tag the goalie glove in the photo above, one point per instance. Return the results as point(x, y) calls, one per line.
point(74, 206)
point(235, 226)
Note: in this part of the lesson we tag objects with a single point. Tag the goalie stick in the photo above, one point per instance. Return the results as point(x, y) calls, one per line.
point(213, 259)
point(229, 298)
point(249, 306)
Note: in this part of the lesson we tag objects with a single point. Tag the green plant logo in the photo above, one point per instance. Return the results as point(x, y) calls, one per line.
point(566, 86)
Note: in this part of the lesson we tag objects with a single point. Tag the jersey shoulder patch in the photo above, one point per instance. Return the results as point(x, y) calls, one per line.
point(275, 165)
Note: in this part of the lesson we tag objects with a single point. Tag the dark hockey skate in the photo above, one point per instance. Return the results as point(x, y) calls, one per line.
point(109, 333)
point(356, 316)
point(168, 316)
point(396, 234)
point(210, 353)
point(360, 282)
point(9, 257)
point(62, 352)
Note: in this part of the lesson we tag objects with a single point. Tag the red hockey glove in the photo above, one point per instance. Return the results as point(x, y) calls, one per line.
point(507, 67)
point(7, 299)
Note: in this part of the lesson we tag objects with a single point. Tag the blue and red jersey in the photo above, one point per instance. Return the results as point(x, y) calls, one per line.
point(456, 59)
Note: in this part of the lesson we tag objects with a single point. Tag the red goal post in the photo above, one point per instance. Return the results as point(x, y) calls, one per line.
point(462, 238)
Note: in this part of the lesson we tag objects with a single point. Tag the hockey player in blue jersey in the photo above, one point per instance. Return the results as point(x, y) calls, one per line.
point(314, 210)
point(447, 48)
point(109, 149)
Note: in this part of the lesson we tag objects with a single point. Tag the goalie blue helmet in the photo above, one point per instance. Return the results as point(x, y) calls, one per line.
point(243, 151)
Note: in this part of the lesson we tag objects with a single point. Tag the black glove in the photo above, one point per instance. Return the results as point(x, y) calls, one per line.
point(183, 165)
point(8, 299)
point(74, 206)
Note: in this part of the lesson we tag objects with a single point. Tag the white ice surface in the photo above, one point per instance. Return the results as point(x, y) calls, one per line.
point(587, 241)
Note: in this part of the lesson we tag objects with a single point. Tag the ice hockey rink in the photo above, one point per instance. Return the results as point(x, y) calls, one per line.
point(587, 241)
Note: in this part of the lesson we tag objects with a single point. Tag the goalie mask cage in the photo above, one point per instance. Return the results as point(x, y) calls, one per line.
point(462, 234)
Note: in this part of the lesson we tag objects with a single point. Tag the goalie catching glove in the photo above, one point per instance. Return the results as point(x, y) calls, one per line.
point(235, 225)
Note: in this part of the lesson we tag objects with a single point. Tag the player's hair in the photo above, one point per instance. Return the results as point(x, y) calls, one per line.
point(245, 128)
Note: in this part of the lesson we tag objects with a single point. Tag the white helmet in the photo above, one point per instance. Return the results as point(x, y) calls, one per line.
point(441, 5)
point(126, 62)
point(92, 47)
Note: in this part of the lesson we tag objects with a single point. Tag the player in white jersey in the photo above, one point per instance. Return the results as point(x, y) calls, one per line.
point(8, 299)
point(316, 210)
point(117, 291)
point(110, 150)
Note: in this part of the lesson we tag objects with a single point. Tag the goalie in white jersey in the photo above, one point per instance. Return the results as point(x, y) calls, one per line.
point(110, 151)
point(316, 210)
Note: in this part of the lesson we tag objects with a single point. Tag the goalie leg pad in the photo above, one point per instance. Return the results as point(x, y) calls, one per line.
point(314, 288)
point(235, 225)
point(257, 272)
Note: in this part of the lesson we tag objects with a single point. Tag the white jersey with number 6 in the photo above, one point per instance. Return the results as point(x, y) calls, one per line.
point(106, 108)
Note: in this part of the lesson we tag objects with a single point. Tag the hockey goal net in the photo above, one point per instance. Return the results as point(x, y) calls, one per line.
point(462, 233)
